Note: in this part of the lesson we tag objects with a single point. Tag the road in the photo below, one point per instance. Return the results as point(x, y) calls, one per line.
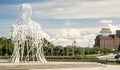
point(109, 57)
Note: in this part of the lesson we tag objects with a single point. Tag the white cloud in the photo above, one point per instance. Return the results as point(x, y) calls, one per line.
point(112, 28)
point(78, 9)
point(60, 41)
point(68, 24)
point(45, 35)
point(65, 37)
point(71, 33)
point(87, 40)
point(38, 12)
point(108, 24)
point(106, 21)
point(59, 9)
point(83, 37)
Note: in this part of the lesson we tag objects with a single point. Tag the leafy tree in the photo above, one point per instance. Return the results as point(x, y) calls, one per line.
point(61, 51)
point(70, 50)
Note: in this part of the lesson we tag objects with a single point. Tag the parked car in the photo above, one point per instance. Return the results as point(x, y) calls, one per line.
point(117, 56)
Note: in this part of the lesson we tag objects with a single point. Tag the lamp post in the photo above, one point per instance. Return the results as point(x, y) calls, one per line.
point(1, 53)
point(6, 46)
point(74, 45)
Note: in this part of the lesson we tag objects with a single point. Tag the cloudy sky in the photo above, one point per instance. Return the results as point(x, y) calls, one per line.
point(65, 20)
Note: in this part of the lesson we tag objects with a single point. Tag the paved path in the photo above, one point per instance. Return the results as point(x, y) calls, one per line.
point(48, 66)
point(58, 66)
point(108, 67)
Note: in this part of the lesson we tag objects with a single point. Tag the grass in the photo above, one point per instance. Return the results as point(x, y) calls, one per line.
point(112, 63)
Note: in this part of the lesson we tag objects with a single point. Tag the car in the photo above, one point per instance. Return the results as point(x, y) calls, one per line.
point(117, 56)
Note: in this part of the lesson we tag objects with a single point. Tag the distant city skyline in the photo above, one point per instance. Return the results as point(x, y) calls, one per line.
point(65, 20)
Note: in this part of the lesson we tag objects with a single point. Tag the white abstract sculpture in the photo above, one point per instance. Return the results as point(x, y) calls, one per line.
point(27, 38)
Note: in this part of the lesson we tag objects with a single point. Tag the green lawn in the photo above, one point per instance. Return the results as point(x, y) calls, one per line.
point(112, 63)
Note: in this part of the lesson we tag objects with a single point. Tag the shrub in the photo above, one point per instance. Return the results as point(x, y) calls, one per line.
point(5, 57)
point(118, 61)
point(71, 57)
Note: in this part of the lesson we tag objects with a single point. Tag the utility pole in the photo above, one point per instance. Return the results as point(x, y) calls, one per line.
point(6, 46)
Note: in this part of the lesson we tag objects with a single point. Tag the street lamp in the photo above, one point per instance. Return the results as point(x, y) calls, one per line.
point(6, 46)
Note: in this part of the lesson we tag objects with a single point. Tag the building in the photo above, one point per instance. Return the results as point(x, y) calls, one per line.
point(105, 32)
point(108, 40)
point(111, 41)
point(118, 33)
point(57, 50)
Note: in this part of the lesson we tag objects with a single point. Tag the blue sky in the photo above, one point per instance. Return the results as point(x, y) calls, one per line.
point(61, 18)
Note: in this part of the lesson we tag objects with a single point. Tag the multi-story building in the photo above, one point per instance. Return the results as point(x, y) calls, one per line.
point(111, 41)
point(105, 32)
point(118, 33)
point(108, 40)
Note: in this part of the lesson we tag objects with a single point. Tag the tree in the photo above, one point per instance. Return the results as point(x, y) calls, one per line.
point(48, 48)
point(61, 51)
point(70, 50)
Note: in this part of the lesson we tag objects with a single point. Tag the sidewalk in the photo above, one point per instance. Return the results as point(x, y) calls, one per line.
point(48, 66)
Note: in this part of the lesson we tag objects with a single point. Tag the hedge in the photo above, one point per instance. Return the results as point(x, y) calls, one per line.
point(60, 57)
point(5, 57)
point(71, 57)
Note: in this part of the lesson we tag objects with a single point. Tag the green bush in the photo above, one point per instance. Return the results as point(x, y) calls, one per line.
point(118, 61)
point(91, 57)
point(71, 57)
point(5, 57)
point(61, 57)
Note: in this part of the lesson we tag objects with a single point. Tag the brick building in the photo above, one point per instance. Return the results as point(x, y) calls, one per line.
point(111, 41)
point(108, 40)
point(105, 32)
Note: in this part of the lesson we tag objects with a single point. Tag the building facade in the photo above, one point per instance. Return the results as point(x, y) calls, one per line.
point(105, 32)
point(118, 33)
point(108, 40)
point(111, 41)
